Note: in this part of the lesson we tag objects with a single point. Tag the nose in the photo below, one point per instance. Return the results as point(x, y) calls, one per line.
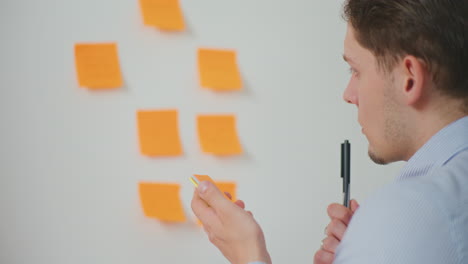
point(350, 94)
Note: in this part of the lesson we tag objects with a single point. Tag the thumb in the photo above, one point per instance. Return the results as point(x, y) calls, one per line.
point(212, 195)
point(354, 206)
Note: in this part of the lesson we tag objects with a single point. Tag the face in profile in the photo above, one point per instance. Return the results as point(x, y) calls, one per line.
point(374, 93)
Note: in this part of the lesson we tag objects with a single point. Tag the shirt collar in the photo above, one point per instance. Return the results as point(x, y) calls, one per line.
point(438, 150)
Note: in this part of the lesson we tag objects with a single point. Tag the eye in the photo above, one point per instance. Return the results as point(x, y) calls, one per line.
point(353, 71)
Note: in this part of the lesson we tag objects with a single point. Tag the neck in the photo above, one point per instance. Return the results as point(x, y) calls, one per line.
point(426, 123)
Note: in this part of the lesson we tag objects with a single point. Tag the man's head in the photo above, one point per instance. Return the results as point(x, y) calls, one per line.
point(409, 61)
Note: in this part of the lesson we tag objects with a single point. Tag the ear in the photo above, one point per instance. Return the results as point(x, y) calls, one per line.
point(414, 80)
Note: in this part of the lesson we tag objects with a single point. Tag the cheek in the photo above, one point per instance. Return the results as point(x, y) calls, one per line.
point(370, 109)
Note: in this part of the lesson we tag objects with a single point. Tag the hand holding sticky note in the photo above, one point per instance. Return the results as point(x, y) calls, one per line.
point(196, 179)
point(229, 225)
point(224, 187)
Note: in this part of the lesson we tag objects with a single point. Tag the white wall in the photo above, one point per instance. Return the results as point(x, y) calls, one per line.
point(69, 157)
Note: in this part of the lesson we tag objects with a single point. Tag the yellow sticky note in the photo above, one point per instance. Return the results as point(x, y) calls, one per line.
point(162, 201)
point(217, 134)
point(223, 186)
point(218, 70)
point(159, 133)
point(196, 179)
point(97, 66)
point(164, 14)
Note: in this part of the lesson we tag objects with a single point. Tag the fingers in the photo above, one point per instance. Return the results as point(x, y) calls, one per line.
point(330, 244)
point(240, 203)
point(338, 211)
point(209, 193)
point(203, 211)
point(354, 205)
point(323, 257)
point(336, 228)
point(340, 217)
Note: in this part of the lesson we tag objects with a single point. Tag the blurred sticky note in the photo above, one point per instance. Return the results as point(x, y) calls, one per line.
point(97, 66)
point(217, 134)
point(218, 70)
point(158, 132)
point(229, 187)
point(163, 14)
point(162, 201)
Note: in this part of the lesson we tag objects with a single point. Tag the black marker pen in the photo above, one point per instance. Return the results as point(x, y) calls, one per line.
point(345, 170)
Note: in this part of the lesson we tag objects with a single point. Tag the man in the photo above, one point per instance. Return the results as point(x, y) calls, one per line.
point(409, 66)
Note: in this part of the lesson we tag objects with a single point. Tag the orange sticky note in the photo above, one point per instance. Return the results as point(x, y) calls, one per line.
point(218, 70)
point(159, 133)
point(164, 14)
point(97, 66)
point(217, 134)
point(162, 201)
point(229, 187)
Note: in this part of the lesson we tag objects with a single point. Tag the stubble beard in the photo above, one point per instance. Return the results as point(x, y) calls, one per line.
point(394, 127)
point(376, 158)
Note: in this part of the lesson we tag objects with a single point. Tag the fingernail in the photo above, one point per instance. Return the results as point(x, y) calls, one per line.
point(203, 186)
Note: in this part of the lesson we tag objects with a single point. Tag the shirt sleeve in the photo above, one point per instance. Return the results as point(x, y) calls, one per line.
point(401, 224)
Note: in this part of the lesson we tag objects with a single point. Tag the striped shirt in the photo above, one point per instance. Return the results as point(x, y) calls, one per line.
point(422, 217)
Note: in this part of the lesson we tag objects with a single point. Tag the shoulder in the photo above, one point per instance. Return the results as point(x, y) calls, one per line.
point(410, 206)
point(439, 195)
point(448, 184)
point(413, 221)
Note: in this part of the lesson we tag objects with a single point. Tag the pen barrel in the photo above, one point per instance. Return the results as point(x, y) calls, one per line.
point(346, 197)
point(346, 161)
point(345, 171)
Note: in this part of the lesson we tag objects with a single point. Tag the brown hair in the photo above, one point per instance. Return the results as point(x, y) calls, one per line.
point(435, 31)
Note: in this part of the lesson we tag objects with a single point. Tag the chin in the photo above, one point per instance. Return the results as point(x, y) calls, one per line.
point(376, 157)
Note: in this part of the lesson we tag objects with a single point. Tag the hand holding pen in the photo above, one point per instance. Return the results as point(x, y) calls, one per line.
point(340, 214)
